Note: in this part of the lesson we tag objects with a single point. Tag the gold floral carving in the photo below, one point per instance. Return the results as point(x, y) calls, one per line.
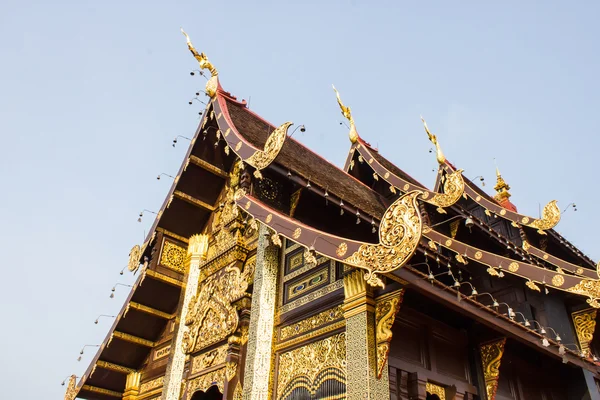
point(342, 249)
point(153, 384)
point(478, 255)
point(206, 360)
point(386, 309)
point(432, 388)
point(237, 393)
point(261, 159)
point(590, 288)
point(303, 367)
point(491, 356)
point(134, 258)
point(230, 370)
point(558, 280)
point(585, 325)
point(173, 256)
point(454, 187)
point(211, 316)
point(297, 233)
point(532, 285)
point(311, 323)
point(399, 235)
point(203, 63)
point(204, 382)
point(513, 266)
point(550, 217)
point(71, 391)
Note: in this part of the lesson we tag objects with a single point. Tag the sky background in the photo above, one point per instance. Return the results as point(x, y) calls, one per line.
point(92, 94)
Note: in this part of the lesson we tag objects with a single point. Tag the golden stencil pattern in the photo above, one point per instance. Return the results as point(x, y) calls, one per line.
point(399, 235)
point(173, 256)
point(585, 325)
point(491, 356)
point(311, 323)
point(211, 317)
point(308, 361)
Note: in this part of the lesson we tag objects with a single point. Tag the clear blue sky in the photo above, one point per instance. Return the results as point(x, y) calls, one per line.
point(92, 93)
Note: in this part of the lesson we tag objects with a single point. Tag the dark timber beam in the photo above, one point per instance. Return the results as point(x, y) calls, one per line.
point(499, 323)
point(208, 167)
point(193, 201)
point(163, 278)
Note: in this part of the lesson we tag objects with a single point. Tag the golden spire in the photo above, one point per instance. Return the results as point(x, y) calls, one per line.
point(347, 113)
point(501, 187)
point(211, 85)
point(433, 139)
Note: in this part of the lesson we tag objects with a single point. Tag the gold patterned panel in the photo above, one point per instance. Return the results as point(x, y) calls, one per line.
point(204, 382)
point(150, 385)
point(585, 326)
point(491, 356)
point(300, 287)
point(263, 158)
point(302, 366)
point(173, 256)
point(208, 359)
point(71, 391)
point(311, 323)
point(295, 261)
point(432, 388)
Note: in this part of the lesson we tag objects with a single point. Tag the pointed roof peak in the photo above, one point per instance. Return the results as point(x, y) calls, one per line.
point(347, 113)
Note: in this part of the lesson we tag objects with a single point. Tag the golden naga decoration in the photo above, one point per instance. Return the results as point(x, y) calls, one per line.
point(550, 217)
point(263, 158)
point(211, 317)
point(347, 113)
point(589, 288)
point(433, 139)
point(71, 392)
point(212, 84)
point(400, 231)
point(454, 187)
point(386, 309)
point(491, 356)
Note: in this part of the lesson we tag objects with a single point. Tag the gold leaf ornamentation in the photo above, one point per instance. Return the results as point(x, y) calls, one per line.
point(550, 217)
point(454, 187)
point(432, 245)
point(238, 146)
point(503, 212)
point(478, 255)
point(399, 235)
point(460, 258)
point(385, 314)
point(173, 256)
point(263, 158)
point(558, 280)
point(311, 323)
point(525, 220)
point(448, 242)
point(531, 285)
point(590, 288)
point(269, 218)
point(301, 367)
point(387, 175)
point(513, 266)
point(406, 187)
point(134, 258)
point(248, 204)
point(297, 233)
point(230, 370)
point(203, 63)
point(492, 271)
point(276, 240)
point(342, 249)
point(585, 325)
point(204, 382)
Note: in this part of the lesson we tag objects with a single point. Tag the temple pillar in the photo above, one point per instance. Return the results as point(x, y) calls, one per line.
point(257, 383)
point(491, 356)
point(361, 347)
point(132, 386)
point(196, 255)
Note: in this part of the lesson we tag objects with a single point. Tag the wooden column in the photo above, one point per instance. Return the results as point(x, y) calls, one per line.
point(491, 356)
point(196, 255)
point(361, 346)
point(259, 356)
point(132, 386)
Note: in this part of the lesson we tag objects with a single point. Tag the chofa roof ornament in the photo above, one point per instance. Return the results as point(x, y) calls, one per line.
point(347, 113)
point(213, 83)
point(433, 139)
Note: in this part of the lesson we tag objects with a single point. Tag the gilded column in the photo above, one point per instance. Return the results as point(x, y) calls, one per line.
point(361, 351)
point(585, 325)
point(257, 374)
point(491, 356)
point(132, 386)
point(196, 255)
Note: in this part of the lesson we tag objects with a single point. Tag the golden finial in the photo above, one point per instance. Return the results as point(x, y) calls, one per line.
point(347, 113)
point(211, 85)
point(433, 139)
point(502, 188)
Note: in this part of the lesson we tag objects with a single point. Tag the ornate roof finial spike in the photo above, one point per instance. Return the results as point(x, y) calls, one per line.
point(433, 139)
point(502, 188)
point(212, 84)
point(347, 113)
